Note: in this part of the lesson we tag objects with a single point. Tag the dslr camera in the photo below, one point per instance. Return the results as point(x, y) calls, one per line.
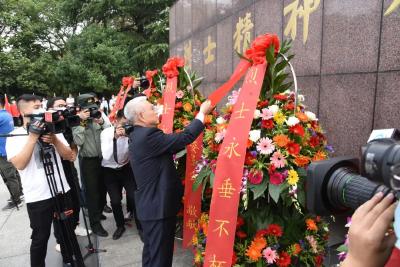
point(128, 129)
point(144, 83)
point(341, 184)
point(54, 121)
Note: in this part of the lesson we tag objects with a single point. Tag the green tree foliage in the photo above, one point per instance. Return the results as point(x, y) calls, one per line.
point(71, 46)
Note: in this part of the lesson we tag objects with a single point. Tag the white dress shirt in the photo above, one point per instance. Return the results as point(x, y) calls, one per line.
point(107, 149)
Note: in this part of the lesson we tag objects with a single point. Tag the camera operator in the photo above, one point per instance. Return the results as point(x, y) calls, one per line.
point(59, 104)
point(87, 137)
point(369, 243)
point(24, 153)
point(117, 171)
point(7, 170)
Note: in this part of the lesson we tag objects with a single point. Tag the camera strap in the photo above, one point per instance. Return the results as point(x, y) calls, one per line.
point(115, 150)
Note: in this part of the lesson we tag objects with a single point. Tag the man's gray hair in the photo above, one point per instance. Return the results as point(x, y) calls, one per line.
point(133, 108)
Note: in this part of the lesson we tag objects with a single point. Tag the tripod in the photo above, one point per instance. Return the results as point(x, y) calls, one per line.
point(61, 214)
point(90, 248)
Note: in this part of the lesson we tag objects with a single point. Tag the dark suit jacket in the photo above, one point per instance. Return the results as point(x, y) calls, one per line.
point(159, 189)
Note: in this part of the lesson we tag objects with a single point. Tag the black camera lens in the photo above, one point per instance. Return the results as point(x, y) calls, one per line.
point(94, 113)
point(378, 157)
point(144, 83)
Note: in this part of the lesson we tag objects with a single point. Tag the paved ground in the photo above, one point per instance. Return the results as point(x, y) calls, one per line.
point(15, 240)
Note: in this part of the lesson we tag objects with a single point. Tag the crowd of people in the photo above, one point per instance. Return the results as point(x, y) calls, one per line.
point(140, 164)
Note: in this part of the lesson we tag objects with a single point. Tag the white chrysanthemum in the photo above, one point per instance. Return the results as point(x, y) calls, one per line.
point(274, 109)
point(292, 121)
point(300, 98)
point(311, 116)
point(254, 135)
point(221, 120)
point(257, 114)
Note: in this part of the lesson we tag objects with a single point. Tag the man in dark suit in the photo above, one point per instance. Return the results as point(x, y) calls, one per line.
point(159, 189)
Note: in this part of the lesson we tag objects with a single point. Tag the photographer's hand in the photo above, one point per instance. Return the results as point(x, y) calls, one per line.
point(369, 243)
point(64, 150)
point(120, 131)
point(48, 138)
point(84, 114)
point(99, 121)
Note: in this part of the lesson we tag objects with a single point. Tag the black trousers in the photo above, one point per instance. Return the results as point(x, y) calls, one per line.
point(158, 242)
point(41, 216)
point(11, 178)
point(115, 180)
point(95, 189)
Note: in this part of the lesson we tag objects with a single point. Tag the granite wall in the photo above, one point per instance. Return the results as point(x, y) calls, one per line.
point(348, 62)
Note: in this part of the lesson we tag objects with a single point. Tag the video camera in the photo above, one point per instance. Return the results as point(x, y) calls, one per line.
point(144, 82)
point(94, 113)
point(341, 184)
point(54, 121)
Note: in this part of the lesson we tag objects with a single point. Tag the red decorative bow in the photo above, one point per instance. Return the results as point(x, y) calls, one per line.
point(259, 47)
point(170, 69)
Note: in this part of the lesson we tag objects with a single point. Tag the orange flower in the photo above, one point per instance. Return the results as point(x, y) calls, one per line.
point(208, 119)
point(185, 122)
point(204, 226)
point(259, 243)
point(302, 117)
point(253, 253)
point(301, 161)
point(249, 143)
point(281, 140)
point(311, 225)
point(187, 107)
point(296, 249)
point(319, 156)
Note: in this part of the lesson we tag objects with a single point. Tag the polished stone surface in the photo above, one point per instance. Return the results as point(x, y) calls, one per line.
point(351, 36)
point(268, 17)
point(198, 14)
point(224, 49)
point(210, 68)
point(172, 30)
point(387, 107)
point(187, 17)
point(197, 54)
point(346, 110)
point(309, 88)
point(390, 44)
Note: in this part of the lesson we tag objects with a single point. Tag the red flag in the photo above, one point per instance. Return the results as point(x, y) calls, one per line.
point(7, 105)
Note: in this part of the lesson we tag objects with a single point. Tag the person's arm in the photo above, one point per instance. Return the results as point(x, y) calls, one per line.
point(21, 160)
point(64, 150)
point(78, 134)
point(369, 243)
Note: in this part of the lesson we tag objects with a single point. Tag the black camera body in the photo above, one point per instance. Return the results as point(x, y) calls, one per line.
point(128, 129)
point(341, 184)
point(53, 123)
point(71, 117)
point(144, 82)
point(94, 113)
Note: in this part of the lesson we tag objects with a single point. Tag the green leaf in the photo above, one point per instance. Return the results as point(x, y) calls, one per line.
point(284, 87)
point(342, 248)
point(212, 176)
point(271, 55)
point(302, 172)
point(281, 66)
point(275, 191)
point(242, 57)
point(259, 189)
point(180, 154)
point(204, 172)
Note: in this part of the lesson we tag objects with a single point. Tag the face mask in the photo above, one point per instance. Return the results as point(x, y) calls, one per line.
point(38, 111)
point(60, 109)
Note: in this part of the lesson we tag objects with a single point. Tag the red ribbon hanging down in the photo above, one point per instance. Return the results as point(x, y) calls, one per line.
point(149, 76)
point(127, 83)
point(7, 105)
point(170, 69)
point(229, 170)
point(192, 203)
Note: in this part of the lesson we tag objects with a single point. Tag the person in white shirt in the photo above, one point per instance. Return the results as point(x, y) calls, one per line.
point(104, 106)
point(70, 101)
point(111, 103)
point(24, 153)
point(117, 171)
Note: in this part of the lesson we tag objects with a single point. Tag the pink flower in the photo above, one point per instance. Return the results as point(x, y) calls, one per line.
point(270, 255)
point(266, 114)
point(265, 146)
point(255, 176)
point(276, 178)
point(233, 98)
point(313, 243)
point(180, 94)
point(278, 160)
point(219, 136)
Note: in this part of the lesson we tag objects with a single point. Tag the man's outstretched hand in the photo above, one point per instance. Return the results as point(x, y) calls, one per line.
point(206, 107)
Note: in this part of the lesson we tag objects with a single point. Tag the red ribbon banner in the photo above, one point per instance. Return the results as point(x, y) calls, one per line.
point(169, 96)
point(192, 204)
point(228, 174)
point(216, 96)
point(121, 97)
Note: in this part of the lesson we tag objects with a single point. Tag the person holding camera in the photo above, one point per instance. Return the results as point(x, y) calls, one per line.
point(370, 241)
point(87, 137)
point(24, 153)
point(59, 104)
point(159, 189)
point(117, 172)
point(8, 172)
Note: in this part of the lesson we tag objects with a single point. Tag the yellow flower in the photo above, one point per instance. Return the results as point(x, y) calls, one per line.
point(293, 177)
point(195, 241)
point(279, 118)
point(197, 257)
